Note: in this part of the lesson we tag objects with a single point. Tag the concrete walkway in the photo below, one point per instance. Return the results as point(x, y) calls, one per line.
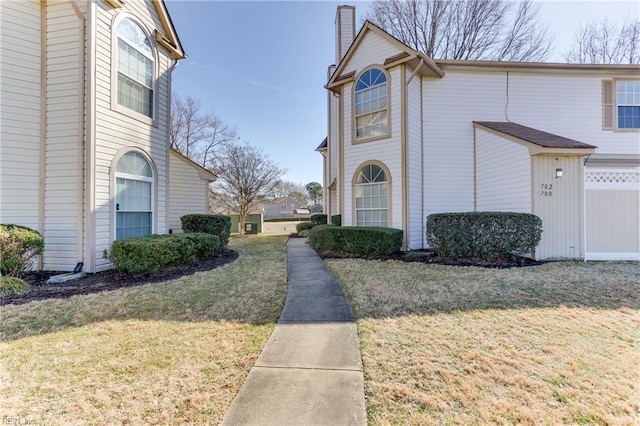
point(310, 370)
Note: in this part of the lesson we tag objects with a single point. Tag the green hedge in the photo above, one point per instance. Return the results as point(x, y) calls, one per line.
point(215, 224)
point(318, 219)
point(19, 247)
point(288, 219)
point(336, 220)
point(13, 286)
point(151, 253)
point(356, 240)
point(483, 235)
point(304, 226)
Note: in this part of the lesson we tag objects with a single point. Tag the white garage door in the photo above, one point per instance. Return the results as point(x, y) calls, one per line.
point(612, 209)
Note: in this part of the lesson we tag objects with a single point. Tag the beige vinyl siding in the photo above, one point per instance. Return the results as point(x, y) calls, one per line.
point(386, 151)
point(416, 221)
point(333, 153)
point(63, 158)
point(559, 202)
point(503, 174)
point(188, 193)
point(567, 105)
point(449, 107)
point(116, 131)
point(20, 112)
point(373, 49)
point(612, 200)
point(345, 31)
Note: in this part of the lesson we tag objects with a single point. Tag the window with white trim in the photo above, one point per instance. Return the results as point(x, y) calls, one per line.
point(135, 68)
point(134, 196)
point(371, 104)
point(370, 191)
point(628, 104)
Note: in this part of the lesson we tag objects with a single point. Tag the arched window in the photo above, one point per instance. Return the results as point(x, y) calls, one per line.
point(134, 199)
point(371, 104)
point(135, 68)
point(370, 190)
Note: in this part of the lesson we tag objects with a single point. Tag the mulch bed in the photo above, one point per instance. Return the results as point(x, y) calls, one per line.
point(425, 256)
point(109, 280)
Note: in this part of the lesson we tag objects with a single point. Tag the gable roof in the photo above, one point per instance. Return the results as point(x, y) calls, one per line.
point(203, 173)
point(169, 40)
point(323, 144)
point(419, 61)
point(280, 200)
point(534, 136)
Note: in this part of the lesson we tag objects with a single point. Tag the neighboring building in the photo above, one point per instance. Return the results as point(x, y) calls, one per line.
point(86, 89)
point(280, 208)
point(409, 136)
point(188, 190)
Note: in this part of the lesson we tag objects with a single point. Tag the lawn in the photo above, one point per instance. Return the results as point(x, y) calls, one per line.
point(174, 352)
point(552, 344)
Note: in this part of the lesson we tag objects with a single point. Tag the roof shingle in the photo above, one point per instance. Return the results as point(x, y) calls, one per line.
point(534, 136)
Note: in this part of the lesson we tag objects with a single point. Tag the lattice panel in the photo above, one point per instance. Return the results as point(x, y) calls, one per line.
point(612, 177)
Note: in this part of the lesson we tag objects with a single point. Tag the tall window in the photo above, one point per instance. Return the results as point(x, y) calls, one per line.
point(628, 100)
point(370, 191)
point(135, 68)
point(134, 201)
point(371, 104)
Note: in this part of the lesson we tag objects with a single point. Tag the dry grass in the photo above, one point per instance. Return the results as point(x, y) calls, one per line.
point(552, 344)
point(168, 353)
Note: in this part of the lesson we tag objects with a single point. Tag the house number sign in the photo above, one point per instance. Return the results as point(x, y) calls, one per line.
point(546, 190)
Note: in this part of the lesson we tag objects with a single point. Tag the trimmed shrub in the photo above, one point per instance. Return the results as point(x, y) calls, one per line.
point(19, 247)
point(287, 219)
point(13, 286)
point(153, 252)
point(304, 225)
point(367, 241)
point(204, 245)
point(304, 233)
point(215, 224)
point(483, 235)
point(336, 220)
point(318, 219)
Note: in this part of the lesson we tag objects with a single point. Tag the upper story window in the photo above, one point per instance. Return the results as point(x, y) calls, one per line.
point(628, 104)
point(135, 68)
point(371, 105)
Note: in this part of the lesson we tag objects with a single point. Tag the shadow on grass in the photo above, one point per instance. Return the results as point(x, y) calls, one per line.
point(391, 289)
point(248, 287)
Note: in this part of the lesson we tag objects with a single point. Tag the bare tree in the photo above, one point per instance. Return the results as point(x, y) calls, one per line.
point(284, 188)
point(606, 43)
point(469, 30)
point(246, 177)
point(197, 134)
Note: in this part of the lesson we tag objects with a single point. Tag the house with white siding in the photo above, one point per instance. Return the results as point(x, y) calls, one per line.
point(84, 105)
point(409, 136)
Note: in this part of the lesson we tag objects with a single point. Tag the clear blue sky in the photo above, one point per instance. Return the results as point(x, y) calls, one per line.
point(261, 66)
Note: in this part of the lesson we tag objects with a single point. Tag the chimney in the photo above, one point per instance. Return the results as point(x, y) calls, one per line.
point(345, 30)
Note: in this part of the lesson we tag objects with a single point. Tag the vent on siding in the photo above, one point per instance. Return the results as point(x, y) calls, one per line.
point(612, 177)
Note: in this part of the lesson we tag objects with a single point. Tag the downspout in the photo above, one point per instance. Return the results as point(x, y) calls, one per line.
point(404, 153)
point(90, 141)
point(81, 99)
point(167, 208)
point(43, 124)
point(422, 219)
